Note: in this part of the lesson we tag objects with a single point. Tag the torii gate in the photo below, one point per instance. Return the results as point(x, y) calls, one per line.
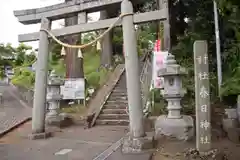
point(137, 139)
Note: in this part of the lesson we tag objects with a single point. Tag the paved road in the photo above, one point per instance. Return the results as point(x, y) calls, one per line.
point(73, 143)
point(12, 110)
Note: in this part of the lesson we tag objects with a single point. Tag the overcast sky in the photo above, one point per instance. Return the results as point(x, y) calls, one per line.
point(10, 27)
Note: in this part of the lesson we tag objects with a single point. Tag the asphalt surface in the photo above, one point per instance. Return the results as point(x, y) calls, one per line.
point(12, 109)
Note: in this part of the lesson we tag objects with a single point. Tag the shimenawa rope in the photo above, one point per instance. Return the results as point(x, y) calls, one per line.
point(90, 43)
point(79, 46)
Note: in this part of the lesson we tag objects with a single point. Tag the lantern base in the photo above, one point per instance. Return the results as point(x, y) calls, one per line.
point(53, 120)
point(181, 129)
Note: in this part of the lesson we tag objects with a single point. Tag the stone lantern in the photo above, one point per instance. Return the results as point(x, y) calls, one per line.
point(174, 124)
point(53, 99)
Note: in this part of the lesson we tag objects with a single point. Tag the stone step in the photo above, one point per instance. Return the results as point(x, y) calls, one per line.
point(119, 90)
point(112, 122)
point(121, 86)
point(119, 93)
point(114, 102)
point(122, 79)
point(113, 111)
point(118, 98)
point(115, 106)
point(113, 116)
point(124, 94)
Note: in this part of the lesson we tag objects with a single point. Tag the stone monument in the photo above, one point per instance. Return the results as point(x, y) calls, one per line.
point(174, 124)
point(202, 97)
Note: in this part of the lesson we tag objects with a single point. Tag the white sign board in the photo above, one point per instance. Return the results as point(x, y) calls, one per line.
point(73, 88)
point(159, 60)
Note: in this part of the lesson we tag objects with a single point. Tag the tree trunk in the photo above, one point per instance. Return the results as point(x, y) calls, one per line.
point(74, 64)
point(106, 44)
point(166, 33)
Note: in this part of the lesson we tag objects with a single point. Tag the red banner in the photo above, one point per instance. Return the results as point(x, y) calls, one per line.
point(157, 46)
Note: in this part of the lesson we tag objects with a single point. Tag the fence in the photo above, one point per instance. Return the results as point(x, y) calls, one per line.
point(146, 79)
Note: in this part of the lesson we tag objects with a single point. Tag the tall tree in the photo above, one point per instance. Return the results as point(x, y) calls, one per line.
point(74, 64)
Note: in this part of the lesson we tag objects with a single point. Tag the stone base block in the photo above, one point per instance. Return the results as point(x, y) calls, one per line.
point(149, 124)
point(229, 123)
point(35, 136)
point(181, 129)
point(53, 120)
point(63, 120)
point(234, 134)
point(132, 145)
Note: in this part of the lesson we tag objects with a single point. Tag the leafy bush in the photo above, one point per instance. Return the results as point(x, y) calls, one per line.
point(24, 78)
point(231, 88)
point(232, 85)
point(160, 105)
point(59, 67)
point(93, 79)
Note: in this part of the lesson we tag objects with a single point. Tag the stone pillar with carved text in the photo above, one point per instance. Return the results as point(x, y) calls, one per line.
point(202, 96)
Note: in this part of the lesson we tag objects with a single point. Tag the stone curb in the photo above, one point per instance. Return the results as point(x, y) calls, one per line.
point(16, 125)
point(105, 154)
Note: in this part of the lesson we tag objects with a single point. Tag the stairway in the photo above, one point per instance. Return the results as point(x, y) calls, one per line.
point(114, 110)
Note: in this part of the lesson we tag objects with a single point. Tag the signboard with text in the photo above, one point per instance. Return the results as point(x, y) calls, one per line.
point(73, 88)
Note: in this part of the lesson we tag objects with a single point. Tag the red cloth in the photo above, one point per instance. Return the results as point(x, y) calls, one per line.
point(157, 46)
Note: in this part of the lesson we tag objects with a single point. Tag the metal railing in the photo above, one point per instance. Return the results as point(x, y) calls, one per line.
point(146, 79)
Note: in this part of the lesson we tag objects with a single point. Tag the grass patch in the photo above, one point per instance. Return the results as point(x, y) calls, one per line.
point(59, 67)
point(79, 109)
point(96, 76)
point(158, 108)
point(91, 62)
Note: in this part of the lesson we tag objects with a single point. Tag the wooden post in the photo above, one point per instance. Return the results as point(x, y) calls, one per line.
point(202, 96)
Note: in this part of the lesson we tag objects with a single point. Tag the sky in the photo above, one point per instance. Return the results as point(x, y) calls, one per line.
point(10, 28)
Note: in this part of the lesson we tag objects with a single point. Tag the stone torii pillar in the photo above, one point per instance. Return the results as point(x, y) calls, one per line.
point(137, 140)
point(39, 103)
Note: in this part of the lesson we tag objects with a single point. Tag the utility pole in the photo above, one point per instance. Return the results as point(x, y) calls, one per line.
point(218, 49)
